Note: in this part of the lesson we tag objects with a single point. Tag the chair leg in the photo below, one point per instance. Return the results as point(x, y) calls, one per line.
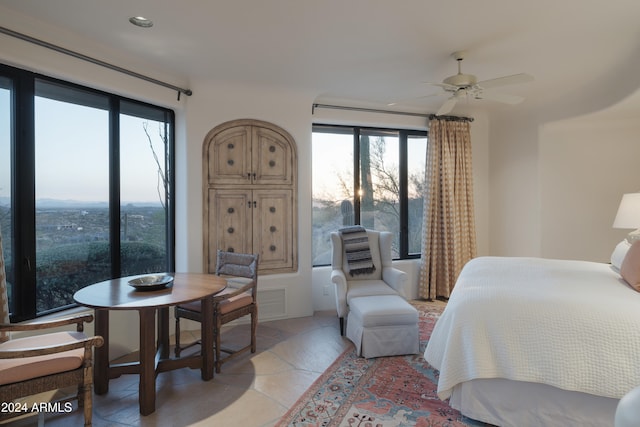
point(341, 326)
point(254, 328)
point(177, 347)
point(85, 402)
point(217, 339)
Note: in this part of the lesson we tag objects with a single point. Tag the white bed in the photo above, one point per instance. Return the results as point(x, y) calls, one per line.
point(538, 342)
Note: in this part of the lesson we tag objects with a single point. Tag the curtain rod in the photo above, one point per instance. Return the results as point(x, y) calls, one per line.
point(402, 113)
point(51, 46)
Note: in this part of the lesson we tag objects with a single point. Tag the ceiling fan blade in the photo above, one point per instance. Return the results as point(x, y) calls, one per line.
point(447, 106)
point(500, 97)
point(506, 80)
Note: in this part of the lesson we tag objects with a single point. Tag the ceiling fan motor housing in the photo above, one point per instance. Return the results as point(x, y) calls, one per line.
point(461, 80)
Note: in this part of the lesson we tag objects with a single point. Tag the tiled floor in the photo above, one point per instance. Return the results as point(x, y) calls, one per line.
point(252, 390)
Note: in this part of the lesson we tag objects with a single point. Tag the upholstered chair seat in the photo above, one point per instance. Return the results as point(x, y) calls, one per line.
point(227, 304)
point(15, 370)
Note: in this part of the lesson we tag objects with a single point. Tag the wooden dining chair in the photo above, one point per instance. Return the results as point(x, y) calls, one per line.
point(38, 363)
point(239, 299)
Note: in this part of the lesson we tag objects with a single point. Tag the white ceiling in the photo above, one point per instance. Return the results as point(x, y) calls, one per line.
point(357, 52)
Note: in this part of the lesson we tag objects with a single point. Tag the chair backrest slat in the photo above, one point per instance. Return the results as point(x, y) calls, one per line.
point(236, 264)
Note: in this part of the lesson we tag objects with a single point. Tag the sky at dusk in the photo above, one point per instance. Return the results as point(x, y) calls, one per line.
point(72, 158)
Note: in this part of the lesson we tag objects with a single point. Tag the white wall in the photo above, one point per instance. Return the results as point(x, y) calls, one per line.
point(214, 103)
point(530, 144)
point(556, 183)
point(586, 164)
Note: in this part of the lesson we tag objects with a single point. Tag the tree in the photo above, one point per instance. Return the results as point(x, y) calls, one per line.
point(379, 199)
point(163, 169)
point(367, 208)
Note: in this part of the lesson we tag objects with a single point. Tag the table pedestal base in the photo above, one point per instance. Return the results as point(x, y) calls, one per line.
point(153, 359)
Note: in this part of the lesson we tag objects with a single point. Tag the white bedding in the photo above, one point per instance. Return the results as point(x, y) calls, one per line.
point(574, 325)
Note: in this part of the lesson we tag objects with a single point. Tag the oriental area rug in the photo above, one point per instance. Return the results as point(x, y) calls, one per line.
point(394, 391)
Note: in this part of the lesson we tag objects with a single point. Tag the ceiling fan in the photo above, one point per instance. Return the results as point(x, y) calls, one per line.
point(463, 86)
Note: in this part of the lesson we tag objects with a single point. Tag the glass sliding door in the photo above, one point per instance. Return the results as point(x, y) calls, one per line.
point(380, 182)
point(6, 131)
point(416, 188)
point(332, 188)
point(71, 192)
point(144, 188)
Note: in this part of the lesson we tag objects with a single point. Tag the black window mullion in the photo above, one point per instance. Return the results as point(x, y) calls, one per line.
point(114, 187)
point(404, 195)
point(23, 204)
point(356, 176)
point(170, 196)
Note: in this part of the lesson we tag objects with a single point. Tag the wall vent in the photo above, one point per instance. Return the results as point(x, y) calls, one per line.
point(272, 304)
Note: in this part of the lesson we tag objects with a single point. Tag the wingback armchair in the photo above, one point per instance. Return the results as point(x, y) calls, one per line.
point(383, 280)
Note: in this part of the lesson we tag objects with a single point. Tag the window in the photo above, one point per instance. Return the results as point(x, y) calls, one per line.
point(86, 183)
point(382, 187)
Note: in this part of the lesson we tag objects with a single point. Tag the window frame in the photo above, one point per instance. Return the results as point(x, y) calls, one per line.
point(403, 138)
point(23, 185)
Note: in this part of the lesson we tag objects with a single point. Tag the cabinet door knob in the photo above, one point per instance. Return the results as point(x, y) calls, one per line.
point(272, 228)
point(272, 248)
point(230, 230)
point(230, 249)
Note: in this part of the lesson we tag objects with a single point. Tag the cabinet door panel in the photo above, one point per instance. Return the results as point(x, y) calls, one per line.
point(273, 228)
point(229, 223)
point(271, 157)
point(230, 156)
point(249, 177)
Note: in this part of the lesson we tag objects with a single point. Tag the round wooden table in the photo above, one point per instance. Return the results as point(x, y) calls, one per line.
point(117, 294)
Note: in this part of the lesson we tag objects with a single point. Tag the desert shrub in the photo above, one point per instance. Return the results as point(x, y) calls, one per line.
point(61, 271)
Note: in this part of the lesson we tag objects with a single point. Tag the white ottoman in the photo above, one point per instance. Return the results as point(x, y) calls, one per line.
point(383, 325)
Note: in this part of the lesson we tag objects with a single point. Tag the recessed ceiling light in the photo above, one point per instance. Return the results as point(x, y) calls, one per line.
point(141, 21)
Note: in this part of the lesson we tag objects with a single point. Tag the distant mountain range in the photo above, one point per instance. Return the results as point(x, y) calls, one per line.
point(56, 203)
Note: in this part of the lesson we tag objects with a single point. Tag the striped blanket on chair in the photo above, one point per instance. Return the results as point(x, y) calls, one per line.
point(356, 249)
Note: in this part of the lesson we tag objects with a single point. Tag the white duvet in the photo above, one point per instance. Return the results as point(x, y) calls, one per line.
point(574, 325)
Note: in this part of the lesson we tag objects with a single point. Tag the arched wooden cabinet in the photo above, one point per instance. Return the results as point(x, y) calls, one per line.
point(250, 193)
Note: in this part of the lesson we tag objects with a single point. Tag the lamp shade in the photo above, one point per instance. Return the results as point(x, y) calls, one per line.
point(628, 215)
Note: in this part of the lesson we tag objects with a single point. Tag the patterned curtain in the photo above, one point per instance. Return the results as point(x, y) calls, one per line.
point(4, 303)
point(448, 231)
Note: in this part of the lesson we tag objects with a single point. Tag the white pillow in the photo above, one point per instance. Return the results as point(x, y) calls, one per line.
point(619, 253)
point(630, 270)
